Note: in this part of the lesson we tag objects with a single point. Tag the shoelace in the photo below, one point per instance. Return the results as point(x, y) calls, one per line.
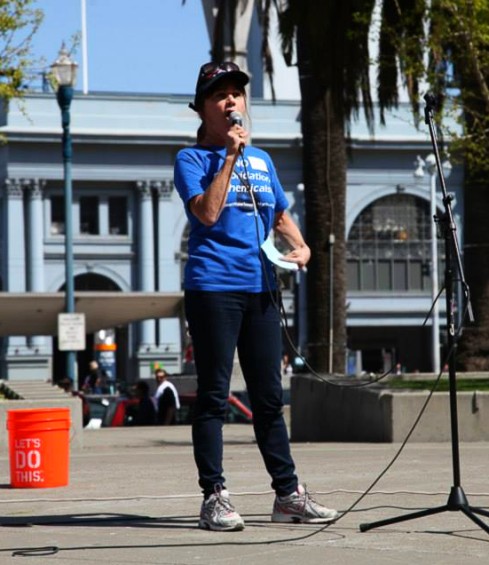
point(307, 499)
point(225, 502)
point(222, 500)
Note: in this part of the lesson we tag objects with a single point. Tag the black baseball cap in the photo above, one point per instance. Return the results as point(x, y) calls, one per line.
point(211, 73)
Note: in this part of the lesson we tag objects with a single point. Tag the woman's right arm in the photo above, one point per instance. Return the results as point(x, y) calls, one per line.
point(207, 207)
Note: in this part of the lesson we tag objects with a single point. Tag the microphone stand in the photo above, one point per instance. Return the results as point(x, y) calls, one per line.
point(457, 500)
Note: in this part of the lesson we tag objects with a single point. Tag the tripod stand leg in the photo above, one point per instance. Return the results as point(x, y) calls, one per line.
point(479, 511)
point(457, 499)
point(412, 516)
point(470, 514)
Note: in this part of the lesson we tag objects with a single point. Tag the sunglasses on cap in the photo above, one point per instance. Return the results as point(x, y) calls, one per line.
point(210, 70)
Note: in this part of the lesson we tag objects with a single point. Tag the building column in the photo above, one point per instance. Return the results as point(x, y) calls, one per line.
point(243, 14)
point(146, 261)
point(35, 245)
point(168, 279)
point(14, 275)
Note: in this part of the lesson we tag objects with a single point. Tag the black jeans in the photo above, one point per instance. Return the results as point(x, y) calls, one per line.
point(218, 323)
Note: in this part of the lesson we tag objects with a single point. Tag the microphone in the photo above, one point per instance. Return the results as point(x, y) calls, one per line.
point(431, 101)
point(236, 119)
point(431, 105)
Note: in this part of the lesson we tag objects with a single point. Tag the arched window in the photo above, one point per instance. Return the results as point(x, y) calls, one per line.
point(388, 247)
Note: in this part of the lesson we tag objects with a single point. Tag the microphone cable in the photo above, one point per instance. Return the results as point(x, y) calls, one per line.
point(277, 301)
point(276, 297)
point(278, 304)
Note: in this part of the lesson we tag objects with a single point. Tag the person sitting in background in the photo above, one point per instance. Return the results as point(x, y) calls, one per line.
point(143, 412)
point(166, 399)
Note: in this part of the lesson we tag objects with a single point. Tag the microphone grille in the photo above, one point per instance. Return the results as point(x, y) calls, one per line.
point(236, 118)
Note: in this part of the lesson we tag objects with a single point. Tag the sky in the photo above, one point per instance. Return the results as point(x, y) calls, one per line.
point(143, 46)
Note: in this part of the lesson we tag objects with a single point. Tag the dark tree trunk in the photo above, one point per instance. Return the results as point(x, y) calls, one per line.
point(324, 175)
point(473, 354)
point(473, 350)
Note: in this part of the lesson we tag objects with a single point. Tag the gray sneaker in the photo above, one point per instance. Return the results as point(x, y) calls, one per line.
point(217, 513)
point(299, 507)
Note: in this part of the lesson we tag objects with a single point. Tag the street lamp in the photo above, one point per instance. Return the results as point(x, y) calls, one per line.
point(430, 165)
point(64, 74)
point(300, 321)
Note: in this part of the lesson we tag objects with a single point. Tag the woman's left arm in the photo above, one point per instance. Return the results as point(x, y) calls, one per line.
point(288, 230)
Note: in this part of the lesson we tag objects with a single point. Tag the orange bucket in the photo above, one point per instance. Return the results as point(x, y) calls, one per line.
point(39, 447)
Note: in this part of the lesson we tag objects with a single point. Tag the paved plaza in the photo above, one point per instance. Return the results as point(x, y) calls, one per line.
point(132, 498)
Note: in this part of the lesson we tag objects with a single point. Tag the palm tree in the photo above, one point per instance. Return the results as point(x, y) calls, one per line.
point(461, 28)
point(331, 39)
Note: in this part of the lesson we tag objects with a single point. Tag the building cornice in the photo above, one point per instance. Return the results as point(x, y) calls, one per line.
point(126, 118)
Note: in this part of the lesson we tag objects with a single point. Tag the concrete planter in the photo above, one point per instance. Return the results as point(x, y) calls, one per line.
point(322, 412)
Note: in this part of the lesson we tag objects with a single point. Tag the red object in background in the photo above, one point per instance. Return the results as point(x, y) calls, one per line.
point(112, 411)
point(240, 406)
point(120, 412)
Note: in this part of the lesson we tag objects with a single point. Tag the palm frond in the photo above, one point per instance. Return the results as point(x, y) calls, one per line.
point(387, 74)
point(264, 7)
point(401, 48)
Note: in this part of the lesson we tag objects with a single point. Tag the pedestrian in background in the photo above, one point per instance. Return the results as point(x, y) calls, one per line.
point(95, 380)
point(166, 399)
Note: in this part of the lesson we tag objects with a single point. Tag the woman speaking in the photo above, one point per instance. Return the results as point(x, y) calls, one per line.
point(233, 200)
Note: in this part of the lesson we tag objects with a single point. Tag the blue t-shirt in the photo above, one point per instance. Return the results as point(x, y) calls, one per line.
point(226, 255)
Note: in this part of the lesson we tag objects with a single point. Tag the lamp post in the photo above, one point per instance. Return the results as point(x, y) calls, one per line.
point(331, 303)
point(64, 74)
point(300, 321)
point(430, 165)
